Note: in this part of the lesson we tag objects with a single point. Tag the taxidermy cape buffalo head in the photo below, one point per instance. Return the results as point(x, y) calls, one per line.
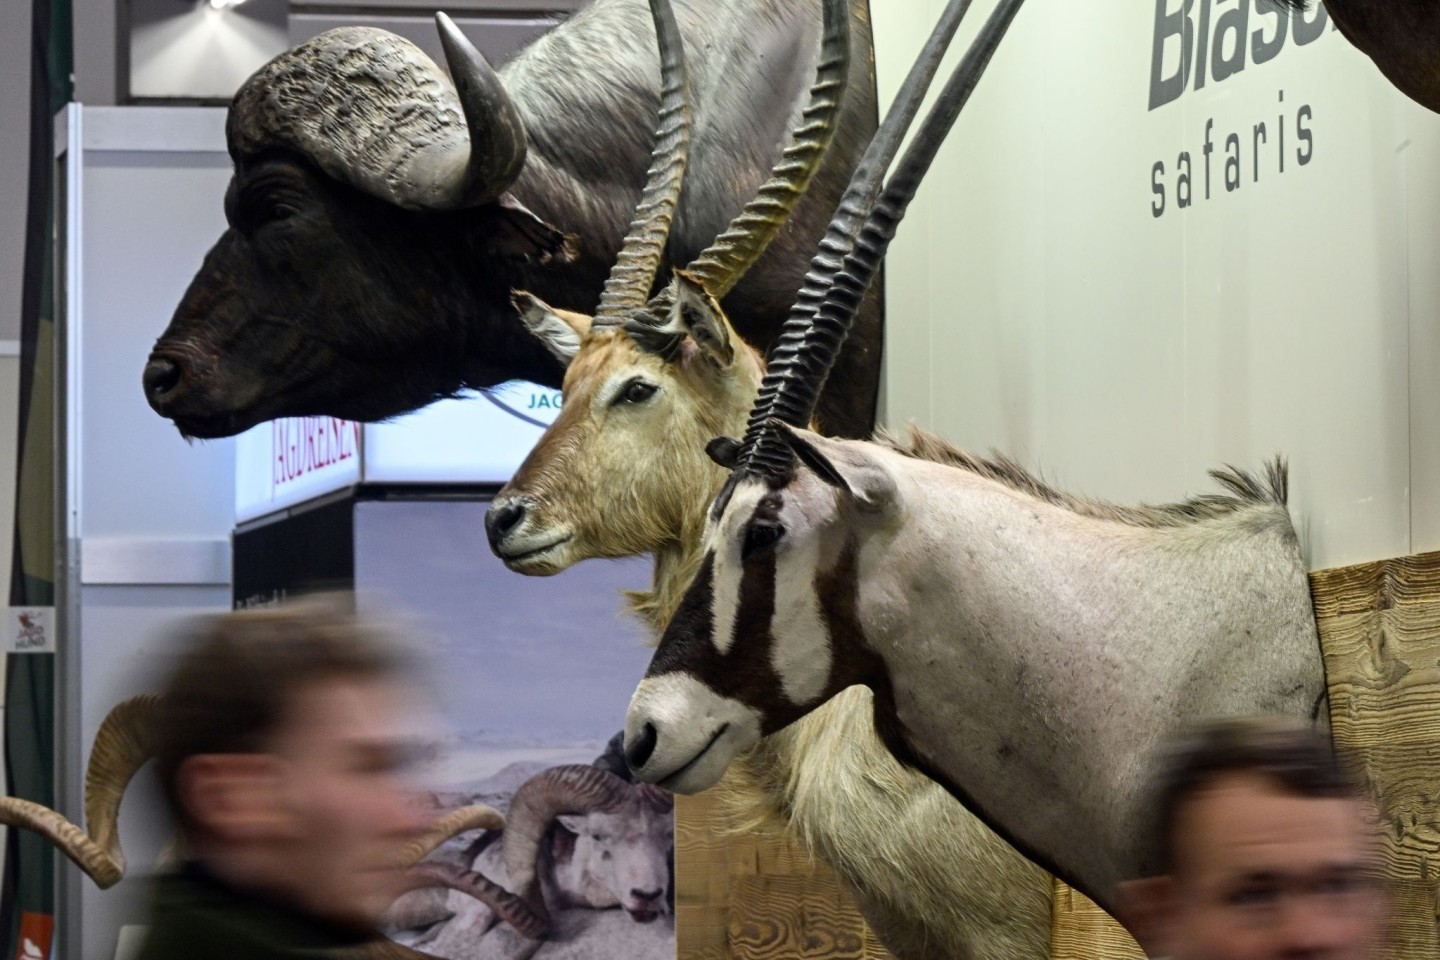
point(380, 217)
point(361, 175)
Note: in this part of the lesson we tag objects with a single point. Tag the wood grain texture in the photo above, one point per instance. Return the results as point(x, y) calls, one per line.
point(1080, 930)
point(755, 895)
point(1380, 636)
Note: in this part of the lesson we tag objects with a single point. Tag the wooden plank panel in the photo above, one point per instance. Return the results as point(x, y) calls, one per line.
point(1080, 930)
point(1380, 633)
point(754, 894)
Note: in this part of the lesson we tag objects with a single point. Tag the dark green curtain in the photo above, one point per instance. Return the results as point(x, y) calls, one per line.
point(27, 891)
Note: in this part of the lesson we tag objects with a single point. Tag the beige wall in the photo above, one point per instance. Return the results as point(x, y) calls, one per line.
point(1038, 307)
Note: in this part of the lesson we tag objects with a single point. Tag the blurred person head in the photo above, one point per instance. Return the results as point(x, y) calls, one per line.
point(283, 748)
point(1266, 848)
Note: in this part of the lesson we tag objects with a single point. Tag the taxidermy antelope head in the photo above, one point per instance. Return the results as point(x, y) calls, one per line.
point(650, 379)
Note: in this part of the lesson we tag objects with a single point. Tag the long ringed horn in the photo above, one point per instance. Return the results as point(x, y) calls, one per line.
point(477, 816)
point(125, 740)
point(722, 265)
point(572, 788)
point(371, 110)
point(506, 905)
point(802, 361)
point(628, 286)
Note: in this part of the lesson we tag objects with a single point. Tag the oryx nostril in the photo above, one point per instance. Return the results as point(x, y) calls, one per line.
point(161, 377)
point(501, 519)
point(638, 753)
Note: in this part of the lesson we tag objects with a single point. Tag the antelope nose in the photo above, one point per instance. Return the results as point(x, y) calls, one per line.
point(638, 753)
point(162, 377)
point(501, 520)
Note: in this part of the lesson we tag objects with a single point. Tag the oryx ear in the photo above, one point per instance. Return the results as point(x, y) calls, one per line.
point(847, 465)
point(725, 451)
point(560, 330)
point(697, 315)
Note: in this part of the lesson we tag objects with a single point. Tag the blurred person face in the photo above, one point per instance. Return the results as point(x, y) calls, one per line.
point(319, 819)
point(1263, 874)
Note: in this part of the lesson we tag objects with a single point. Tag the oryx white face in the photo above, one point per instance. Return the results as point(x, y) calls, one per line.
point(761, 636)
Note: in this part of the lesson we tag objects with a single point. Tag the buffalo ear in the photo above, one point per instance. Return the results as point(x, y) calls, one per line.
point(844, 464)
point(510, 232)
point(560, 330)
point(725, 451)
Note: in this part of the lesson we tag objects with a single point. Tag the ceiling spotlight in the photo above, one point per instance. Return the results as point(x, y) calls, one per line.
point(224, 4)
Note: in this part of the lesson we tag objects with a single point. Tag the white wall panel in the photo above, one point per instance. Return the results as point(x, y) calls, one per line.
point(1039, 307)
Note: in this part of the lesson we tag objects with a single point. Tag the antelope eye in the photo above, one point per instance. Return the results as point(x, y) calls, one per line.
point(759, 538)
point(637, 391)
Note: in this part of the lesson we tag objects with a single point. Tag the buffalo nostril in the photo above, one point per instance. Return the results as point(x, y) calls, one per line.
point(161, 378)
point(638, 753)
point(501, 519)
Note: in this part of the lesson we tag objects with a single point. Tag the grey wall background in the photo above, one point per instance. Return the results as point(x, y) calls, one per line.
point(14, 166)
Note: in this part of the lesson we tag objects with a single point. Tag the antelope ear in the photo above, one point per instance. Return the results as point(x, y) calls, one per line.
point(845, 464)
point(697, 315)
point(560, 330)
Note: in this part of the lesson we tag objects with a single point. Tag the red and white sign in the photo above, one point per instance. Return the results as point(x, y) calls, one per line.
point(285, 462)
point(36, 931)
point(480, 437)
point(27, 629)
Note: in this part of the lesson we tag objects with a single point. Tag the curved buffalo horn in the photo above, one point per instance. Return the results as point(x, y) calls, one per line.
point(477, 816)
point(371, 110)
point(628, 286)
point(497, 147)
point(722, 265)
point(802, 359)
point(125, 740)
point(573, 788)
point(506, 905)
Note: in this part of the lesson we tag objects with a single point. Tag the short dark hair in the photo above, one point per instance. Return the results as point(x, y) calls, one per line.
point(1296, 757)
point(239, 673)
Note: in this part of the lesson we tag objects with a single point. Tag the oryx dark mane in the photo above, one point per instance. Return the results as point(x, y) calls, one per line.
point(1245, 489)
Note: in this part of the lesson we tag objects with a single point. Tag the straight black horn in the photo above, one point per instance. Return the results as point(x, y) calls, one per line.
point(803, 359)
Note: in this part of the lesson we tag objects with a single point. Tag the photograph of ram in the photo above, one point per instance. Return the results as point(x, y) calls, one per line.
point(531, 684)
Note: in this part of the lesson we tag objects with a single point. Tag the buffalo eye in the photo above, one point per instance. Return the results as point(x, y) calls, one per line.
point(760, 537)
point(637, 391)
point(279, 211)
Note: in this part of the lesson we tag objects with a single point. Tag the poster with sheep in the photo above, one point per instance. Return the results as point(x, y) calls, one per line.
point(531, 677)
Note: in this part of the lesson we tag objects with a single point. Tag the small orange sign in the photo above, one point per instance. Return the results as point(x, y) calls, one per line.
point(35, 932)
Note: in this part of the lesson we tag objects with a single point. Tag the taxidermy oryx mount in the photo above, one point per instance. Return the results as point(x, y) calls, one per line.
point(623, 471)
point(1025, 648)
